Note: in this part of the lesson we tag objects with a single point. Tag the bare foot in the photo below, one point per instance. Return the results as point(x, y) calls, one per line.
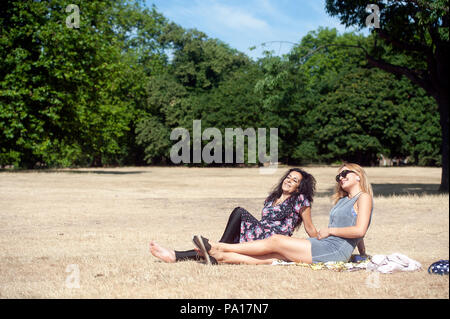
point(215, 253)
point(162, 253)
point(215, 248)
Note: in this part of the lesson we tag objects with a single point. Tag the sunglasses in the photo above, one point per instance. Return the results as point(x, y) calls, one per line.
point(343, 174)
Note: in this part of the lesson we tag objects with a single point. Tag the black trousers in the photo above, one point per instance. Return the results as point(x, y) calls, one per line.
point(230, 235)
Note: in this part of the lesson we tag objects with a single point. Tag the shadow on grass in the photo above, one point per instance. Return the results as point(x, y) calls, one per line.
point(100, 172)
point(405, 189)
point(395, 189)
point(103, 172)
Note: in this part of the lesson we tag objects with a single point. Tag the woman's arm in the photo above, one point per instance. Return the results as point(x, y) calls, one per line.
point(362, 221)
point(307, 220)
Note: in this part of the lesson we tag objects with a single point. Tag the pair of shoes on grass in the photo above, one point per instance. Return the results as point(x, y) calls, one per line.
point(203, 244)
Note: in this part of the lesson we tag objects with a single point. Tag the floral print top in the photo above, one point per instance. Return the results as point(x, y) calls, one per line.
point(280, 219)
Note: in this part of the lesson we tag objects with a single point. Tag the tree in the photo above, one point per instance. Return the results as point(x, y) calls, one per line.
point(419, 30)
point(383, 113)
point(367, 113)
point(205, 79)
point(69, 95)
point(281, 89)
point(199, 62)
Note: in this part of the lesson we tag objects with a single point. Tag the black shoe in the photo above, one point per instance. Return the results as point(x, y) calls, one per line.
point(203, 244)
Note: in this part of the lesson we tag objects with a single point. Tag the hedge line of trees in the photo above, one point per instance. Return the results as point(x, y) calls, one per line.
point(111, 91)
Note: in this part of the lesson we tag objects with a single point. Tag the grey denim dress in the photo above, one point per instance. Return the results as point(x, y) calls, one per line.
point(335, 248)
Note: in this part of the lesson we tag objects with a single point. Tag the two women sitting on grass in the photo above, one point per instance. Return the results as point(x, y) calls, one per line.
point(349, 220)
point(288, 204)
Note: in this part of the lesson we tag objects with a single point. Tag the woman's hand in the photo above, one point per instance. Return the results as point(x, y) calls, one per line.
point(323, 233)
point(362, 248)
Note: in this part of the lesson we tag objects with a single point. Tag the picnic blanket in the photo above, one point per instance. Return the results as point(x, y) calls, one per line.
point(380, 263)
point(352, 265)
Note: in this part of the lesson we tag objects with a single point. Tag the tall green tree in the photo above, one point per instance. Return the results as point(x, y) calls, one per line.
point(68, 94)
point(367, 113)
point(388, 113)
point(419, 30)
point(280, 89)
point(200, 62)
point(202, 81)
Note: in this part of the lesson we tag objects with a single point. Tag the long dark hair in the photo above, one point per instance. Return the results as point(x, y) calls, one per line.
point(307, 187)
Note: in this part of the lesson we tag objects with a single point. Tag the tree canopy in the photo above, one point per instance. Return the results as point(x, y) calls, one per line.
point(111, 91)
point(418, 30)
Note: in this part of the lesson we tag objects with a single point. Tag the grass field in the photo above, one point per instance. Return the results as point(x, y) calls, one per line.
point(95, 225)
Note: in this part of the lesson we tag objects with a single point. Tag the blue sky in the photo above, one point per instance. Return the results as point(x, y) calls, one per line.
point(247, 23)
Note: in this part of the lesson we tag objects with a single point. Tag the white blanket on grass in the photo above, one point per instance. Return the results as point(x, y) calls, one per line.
point(388, 264)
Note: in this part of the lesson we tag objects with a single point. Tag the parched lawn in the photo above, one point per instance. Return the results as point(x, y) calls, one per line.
point(95, 225)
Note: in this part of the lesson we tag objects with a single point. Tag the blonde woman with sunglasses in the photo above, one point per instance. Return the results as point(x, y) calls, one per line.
point(349, 220)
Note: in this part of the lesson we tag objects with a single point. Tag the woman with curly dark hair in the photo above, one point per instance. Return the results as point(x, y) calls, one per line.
point(288, 204)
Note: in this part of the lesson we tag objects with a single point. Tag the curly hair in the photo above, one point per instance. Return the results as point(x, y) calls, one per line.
point(307, 187)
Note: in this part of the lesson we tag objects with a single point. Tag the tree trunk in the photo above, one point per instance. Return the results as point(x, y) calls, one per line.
point(441, 82)
point(443, 111)
point(97, 161)
point(436, 84)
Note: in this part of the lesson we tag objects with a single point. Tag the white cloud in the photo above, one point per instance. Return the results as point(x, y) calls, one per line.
point(235, 18)
point(218, 16)
point(244, 24)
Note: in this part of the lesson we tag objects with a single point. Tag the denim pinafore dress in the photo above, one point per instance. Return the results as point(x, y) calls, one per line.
point(335, 248)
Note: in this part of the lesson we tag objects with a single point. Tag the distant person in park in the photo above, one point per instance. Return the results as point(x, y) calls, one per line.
point(288, 204)
point(349, 220)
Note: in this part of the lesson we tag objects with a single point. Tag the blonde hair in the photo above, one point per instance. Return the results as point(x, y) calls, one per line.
point(364, 182)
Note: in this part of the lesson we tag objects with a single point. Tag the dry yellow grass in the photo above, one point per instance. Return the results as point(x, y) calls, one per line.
point(101, 221)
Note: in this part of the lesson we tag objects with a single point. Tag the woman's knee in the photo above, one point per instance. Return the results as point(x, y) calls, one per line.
point(275, 240)
point(279, 243)
point(236, 213)
point(236, 209)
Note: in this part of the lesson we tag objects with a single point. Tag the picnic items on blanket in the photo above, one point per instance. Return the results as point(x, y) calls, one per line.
point(353, 265)
point(388, 264)
point(385, 264)
point(358, 258)
point(439, 267)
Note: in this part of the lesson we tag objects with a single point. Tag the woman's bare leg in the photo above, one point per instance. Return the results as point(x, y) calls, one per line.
point(293, 249)
point(235, 258)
